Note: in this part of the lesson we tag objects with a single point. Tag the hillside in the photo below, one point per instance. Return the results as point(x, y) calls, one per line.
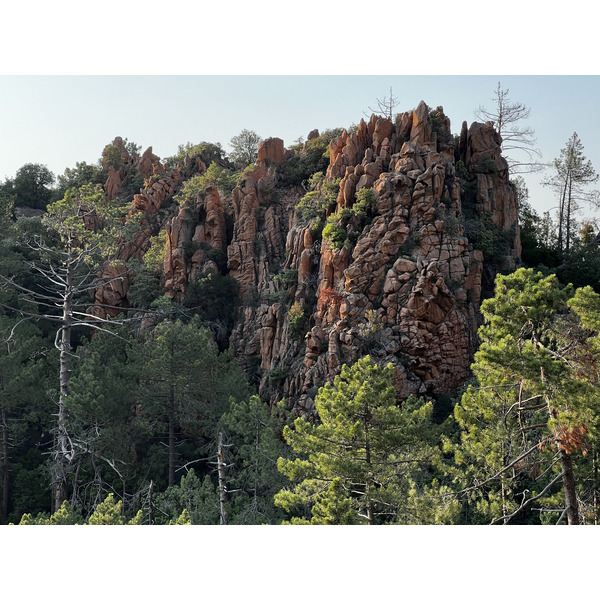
point(401, 277)
point(339, 333)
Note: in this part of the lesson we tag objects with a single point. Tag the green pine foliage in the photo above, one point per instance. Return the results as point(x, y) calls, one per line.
point(108, 512)
point(253, 439)
point(363, 453)
point(525, 423)
point(193, 501)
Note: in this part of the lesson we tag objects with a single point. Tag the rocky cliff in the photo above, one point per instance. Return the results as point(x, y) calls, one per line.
point(386, 253)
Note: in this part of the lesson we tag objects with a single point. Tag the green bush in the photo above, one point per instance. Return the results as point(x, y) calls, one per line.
point(318, 201)
point(364, 203)
point(486, 236)
point(111, 157)
point(207, 151)
point(336, 229)
point(461, 170)
point(307, 159)
point(155, 255)
point(298, 320)
point(280, 296)
point(279, 373)
point(212, 296)
point(288, 277)
point(335, 233)
point(223, 179)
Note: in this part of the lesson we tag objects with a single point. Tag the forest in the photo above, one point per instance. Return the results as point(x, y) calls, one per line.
point(141, 412)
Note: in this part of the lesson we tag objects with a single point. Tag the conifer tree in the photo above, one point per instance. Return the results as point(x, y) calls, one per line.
point(186, 385)
point(253, 445)
point(518, 142)
point(527, 418)
point(23, 402)
point(79, 233)
point(356, 464)
point(573, 173)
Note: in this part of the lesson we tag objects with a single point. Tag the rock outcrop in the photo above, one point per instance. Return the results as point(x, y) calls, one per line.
point(404, 286)
point(408, 291)
point(159, 187)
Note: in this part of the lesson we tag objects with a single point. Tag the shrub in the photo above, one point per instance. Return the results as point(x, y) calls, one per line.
point(307, 159)
point(191, 189)
point(155, 255)
point(486, 236)
point(461, 170)
point(288, 277)
point(111, 157)
point(279, 296)
point(317, 202)
point(297, 319)
point(212, 296)
point(219, 258)
point(279, 373)
point(364, 203)
point(335, 233)
point(335, 230)
point(223, 179)
point(207, 151)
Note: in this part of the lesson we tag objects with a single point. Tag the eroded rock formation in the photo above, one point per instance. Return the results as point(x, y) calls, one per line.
point(406, 284)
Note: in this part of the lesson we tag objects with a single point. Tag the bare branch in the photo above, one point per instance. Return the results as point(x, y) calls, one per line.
point(507, 518)
point(509, 466)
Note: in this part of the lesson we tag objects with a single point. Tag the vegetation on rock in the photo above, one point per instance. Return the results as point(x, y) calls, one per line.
point(298, 335)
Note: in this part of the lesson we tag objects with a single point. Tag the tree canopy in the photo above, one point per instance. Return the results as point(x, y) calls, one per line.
point(356, 464)
point(244, 148)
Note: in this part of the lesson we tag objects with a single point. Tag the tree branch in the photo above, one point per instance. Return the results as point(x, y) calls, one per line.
point(525, 503)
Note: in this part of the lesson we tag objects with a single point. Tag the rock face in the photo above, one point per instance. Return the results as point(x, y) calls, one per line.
point(406, 284)
point(408, 291)
point(160, 185)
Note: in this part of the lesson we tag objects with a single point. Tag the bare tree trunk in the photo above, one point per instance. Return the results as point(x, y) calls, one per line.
point(569, 210)
point(569, 487)
point(150, 504)
point(596, 503)
point(503, 493)
point(62, 452)
point(171, 417)
point(5, 470)
point(561, 218)
point(370, 509)
point(567, 471)
point(222, 481)
point(75, 487)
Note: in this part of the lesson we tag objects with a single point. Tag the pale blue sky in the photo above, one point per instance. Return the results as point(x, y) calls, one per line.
point(60, 120)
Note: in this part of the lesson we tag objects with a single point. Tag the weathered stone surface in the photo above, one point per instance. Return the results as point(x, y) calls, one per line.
point(484, 150)
point(272, 150)
point(406, 285)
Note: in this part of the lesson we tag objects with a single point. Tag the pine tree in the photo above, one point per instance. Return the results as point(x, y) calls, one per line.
point(573, 173)
point(532, 407)
point(517, 141)
point(108, 512)
point(102, 406)
point(23, 401)
point(194, 499)
point(253, 445)
point(362, 454)
point(186, 385)
point(79, 233)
